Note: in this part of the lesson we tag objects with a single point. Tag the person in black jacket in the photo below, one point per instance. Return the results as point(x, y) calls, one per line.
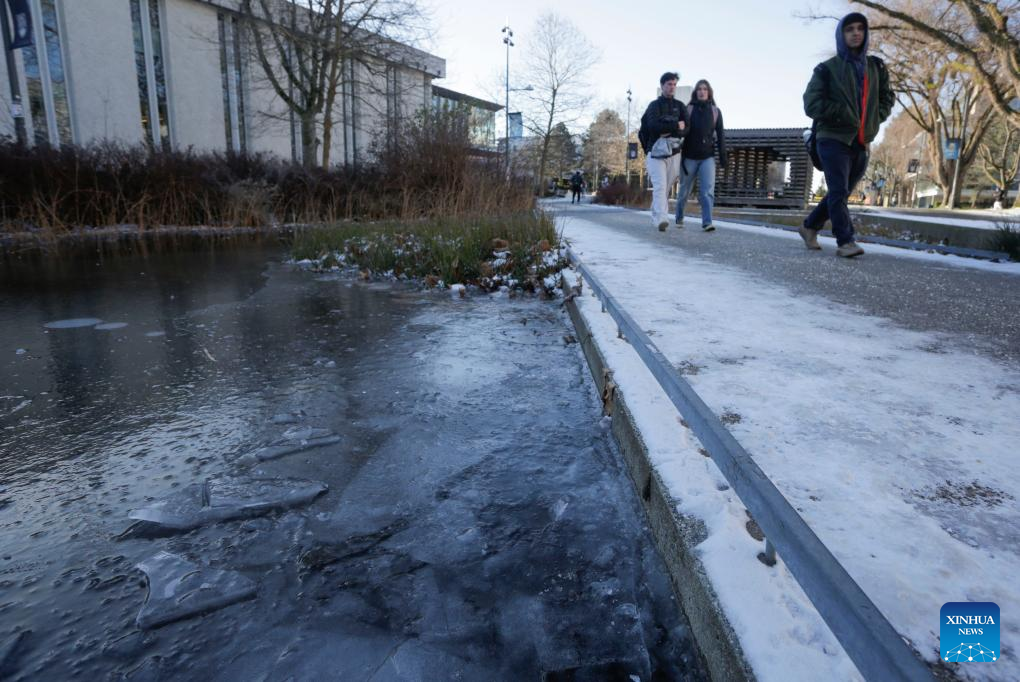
point(576, 184)
point(665, 118)
point(704, 133)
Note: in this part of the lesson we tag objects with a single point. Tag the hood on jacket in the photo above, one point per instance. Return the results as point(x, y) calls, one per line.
point(841, 49)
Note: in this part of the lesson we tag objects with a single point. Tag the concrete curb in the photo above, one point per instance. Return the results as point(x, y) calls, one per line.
point(676, 536)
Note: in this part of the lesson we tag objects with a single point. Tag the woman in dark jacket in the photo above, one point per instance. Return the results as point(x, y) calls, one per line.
point(704, 134)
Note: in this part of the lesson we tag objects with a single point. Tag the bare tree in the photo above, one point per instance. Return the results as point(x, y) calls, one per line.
point(558, 60)
point(890, 159)
point(942, 95)
point(604, 147)
point(1000, 158)
point(943, 98)
point(977, 33)
point(307, 48)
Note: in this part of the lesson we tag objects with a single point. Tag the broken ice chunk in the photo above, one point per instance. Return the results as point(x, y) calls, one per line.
point(225, 498)
point(306, 433)
point(9, 648)
point(289, 446)
point(180, 589)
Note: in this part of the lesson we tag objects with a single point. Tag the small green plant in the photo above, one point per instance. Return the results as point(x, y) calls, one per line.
point(519, 251)
point(1007, 239)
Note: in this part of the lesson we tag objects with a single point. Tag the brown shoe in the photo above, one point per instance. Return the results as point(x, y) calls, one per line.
point(810, 238)
point(849, 250)
point(663, 225)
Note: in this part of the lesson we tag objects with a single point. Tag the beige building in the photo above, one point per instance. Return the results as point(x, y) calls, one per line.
point(181, 74)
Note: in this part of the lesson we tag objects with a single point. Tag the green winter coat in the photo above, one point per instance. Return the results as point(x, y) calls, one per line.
point(831, 99)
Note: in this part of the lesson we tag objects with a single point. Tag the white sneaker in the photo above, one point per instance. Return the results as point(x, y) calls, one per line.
point(849, 250)
point(708, 228)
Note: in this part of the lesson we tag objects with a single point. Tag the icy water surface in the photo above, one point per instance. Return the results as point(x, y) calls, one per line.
point(315, 479)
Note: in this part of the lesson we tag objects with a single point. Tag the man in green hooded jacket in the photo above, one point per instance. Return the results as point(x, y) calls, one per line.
point(848, 97)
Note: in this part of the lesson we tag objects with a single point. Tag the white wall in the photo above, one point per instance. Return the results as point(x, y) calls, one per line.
point(194, 81)
point(103, 85)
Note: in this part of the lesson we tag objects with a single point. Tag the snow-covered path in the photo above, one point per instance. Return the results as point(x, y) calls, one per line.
point(897, 446)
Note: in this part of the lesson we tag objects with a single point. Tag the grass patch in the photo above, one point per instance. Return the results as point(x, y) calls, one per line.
point(1007, 240)
point(519, 251)
point(428, 170)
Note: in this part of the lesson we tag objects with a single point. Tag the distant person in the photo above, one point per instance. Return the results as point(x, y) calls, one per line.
point(848, 98)
point(605, 181)
point(704, 135)
point(1000, 198)
point(661, 133)
point(576, 185)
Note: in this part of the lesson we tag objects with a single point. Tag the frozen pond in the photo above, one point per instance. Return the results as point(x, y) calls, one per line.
point(214, 465)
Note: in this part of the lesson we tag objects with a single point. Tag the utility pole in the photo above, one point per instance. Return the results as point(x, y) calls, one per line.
point(508, 41)
point(626, 142)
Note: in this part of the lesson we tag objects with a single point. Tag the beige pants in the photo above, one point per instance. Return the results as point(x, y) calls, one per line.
point(663, 174)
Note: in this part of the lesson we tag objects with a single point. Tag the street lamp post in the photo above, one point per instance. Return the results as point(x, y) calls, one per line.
point(626, 142)
point(508, 41)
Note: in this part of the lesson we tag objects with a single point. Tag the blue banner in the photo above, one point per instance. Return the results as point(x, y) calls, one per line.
point(516, 125)
point(21, 36)
point(951, 149)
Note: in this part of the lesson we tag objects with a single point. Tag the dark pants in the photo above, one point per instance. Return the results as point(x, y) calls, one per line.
point(575, 194)
point(844, 167)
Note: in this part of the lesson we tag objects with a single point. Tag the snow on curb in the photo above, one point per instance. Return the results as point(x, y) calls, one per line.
point(750, 621)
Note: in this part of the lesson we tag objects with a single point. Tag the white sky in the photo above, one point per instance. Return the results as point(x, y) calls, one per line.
point(756, 54)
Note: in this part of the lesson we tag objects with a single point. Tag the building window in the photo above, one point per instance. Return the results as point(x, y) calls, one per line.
point(232, 74)
point(151, 71)
point(49, 113)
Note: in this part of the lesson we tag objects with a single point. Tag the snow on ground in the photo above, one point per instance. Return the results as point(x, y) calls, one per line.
point(829, 243)
point(898, 449)
point(981, 220)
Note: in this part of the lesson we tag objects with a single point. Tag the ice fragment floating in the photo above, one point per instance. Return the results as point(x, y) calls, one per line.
point(226, 498)
point(180, 589)
point(74, 323)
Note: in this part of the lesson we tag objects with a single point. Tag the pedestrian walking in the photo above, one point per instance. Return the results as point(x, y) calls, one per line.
point(661, 132)
point(576, 184)
point(705, 134)
point(848, 98)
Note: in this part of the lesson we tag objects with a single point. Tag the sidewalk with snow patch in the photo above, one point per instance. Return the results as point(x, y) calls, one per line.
point(898, 450)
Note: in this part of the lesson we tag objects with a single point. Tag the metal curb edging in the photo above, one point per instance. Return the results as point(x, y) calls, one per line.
point(675, 535)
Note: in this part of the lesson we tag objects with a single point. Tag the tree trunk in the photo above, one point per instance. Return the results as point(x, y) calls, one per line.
point(545, 145)
point(327, 137)
point(308, 140)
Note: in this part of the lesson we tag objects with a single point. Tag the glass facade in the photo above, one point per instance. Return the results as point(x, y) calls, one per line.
point(34, 95)
point(233, 82)
point(157, 67)
point(55, 62)
point(140, 67)
point(45, 85)
point(481, 116)
point(151, 73)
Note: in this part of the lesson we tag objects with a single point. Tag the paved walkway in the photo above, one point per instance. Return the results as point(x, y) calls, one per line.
point(880, 395)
